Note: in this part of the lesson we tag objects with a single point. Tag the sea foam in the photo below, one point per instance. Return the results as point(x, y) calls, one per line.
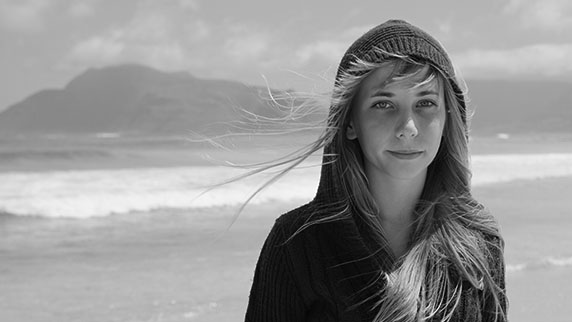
point(548, 262)
point(95, 193)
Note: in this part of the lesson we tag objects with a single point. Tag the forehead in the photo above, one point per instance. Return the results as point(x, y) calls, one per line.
point(420, 77)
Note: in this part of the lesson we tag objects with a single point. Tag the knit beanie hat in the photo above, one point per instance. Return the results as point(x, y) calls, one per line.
point(396, 37)
point(399, 37)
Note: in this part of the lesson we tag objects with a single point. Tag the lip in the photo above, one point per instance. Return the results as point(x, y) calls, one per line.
point(406, 154)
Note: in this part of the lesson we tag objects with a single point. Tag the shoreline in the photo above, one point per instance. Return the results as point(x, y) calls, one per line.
point(92, 154)
point(184, 265)
point(176, 266)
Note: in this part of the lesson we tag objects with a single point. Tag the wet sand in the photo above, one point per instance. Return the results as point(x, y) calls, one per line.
point(161, 267)
point(536, 219)
point(176, 266)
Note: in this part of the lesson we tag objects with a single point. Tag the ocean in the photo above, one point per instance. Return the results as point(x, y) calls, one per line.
point(103, 232)
point(98, 193)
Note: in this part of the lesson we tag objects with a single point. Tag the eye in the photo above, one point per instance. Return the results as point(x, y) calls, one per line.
point(383, 105)
point(426, 103)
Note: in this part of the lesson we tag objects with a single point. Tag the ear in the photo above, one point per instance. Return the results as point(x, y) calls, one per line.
point(350, 131)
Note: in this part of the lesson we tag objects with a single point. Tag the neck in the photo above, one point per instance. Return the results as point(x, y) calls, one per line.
point(395, 198)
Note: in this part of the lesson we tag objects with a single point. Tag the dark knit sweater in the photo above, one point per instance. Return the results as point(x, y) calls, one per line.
point(325, 271)
point(331, 271)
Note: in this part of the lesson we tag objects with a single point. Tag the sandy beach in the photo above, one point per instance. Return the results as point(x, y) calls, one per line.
point(172, 266)
point(535, 219)
point(184, 265)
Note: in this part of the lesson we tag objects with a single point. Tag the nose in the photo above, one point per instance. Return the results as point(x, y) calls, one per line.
point(408, 129)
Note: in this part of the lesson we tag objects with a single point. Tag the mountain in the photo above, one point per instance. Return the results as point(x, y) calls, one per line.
point(138, 100)
point(503, 106)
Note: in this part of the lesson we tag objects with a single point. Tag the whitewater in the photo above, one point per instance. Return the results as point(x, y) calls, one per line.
point(97, 193)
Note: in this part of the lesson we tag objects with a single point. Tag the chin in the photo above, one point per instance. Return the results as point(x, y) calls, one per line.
point(407, 169)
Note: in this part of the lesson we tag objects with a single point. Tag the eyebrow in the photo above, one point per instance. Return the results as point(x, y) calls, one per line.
point(383, 93)
point(428, 92)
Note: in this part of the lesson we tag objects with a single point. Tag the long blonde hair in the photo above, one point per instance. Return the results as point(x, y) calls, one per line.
point(450, 225)
point(452, 234)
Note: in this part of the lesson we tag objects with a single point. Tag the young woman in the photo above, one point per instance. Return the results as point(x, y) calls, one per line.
point(393, 233)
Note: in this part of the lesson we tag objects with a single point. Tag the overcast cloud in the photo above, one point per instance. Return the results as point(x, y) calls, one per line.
point(49, 42)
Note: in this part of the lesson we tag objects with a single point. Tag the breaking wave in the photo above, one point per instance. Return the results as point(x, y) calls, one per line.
point(96, 193)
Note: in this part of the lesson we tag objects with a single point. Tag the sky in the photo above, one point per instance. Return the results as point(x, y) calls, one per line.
point(294, 44)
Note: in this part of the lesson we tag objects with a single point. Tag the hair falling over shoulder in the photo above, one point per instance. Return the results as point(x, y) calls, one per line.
point(452, 236)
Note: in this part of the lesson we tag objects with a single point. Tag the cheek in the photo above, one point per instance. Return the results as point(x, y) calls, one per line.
point(375, 130)
point(438, 126)
point(437, 123)
point(435, 129)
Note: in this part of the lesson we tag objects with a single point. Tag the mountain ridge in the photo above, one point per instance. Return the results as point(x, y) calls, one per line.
point(133, 99)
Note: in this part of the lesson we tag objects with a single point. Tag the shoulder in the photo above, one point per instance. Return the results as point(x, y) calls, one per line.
point(483, 228)
point(291, 246)
point(295, 219)
point(289, 224)
point(478, 218)
point(279, 250)
point(490, 230)
point(311, 229)
point(491, 243)
point(289, 227)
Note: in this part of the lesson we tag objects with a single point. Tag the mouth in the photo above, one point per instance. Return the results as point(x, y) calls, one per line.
point(406, 154)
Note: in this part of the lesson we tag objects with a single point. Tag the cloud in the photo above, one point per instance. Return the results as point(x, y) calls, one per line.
point(80, 9)
point(540, 59)
point(32, 15)
point(544, 14)
point(99, 50)
point(196, 30)
point(329, 50)
point(324, 50)
point(246, 46)
point(444, 26)
point(174, 35)
point(24, 15)
point(115, 48)
point(190, 4)
point(159, 36)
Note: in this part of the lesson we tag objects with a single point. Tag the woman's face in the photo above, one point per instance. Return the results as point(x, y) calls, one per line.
point(398, 125)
